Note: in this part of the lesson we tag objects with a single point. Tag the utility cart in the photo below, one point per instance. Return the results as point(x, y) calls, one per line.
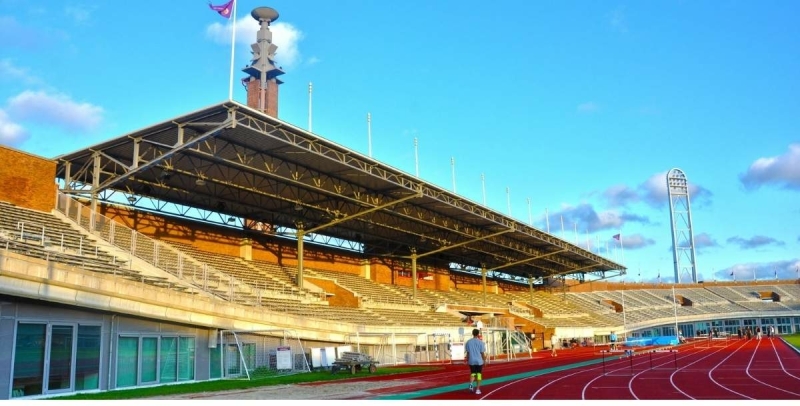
point(354, 362)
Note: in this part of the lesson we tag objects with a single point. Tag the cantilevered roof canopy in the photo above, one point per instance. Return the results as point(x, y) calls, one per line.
point(235, 161)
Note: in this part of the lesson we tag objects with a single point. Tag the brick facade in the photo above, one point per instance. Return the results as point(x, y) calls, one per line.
point(28, 180)
point(270, 98)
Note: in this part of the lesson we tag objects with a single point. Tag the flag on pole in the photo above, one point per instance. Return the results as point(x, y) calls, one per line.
point(616, 237)
point(227, 10)
point(223, 9)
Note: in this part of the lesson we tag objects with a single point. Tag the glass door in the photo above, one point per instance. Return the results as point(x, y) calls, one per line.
point(61, 358)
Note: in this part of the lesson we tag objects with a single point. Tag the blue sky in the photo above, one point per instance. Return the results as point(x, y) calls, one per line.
point(574, 108)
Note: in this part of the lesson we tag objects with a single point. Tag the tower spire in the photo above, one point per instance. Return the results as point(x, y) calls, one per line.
point(262, 81)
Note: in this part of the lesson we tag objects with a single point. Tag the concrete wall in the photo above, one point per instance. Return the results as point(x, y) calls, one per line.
point(112, 326)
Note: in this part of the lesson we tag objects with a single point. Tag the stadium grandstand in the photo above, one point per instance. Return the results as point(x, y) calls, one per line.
point(225, 242)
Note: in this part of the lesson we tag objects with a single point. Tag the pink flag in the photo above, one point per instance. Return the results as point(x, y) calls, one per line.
point(616, 237)
point(224, 9)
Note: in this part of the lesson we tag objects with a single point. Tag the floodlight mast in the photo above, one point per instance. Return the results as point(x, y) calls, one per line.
point(680, 213)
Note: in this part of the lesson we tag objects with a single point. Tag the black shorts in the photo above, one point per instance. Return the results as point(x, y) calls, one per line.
point(475, 369)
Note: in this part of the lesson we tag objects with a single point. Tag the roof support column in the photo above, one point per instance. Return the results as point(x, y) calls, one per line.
point(300, 234)
point(67, 183)
point(530, 288)
point(414, 273)
point(95, 187)
point(483, 279)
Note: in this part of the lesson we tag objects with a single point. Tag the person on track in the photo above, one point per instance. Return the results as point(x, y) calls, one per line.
point(554, 343)
point(475, 350)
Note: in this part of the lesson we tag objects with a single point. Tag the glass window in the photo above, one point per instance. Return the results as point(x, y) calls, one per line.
point(169, 359)
point(186, 359)
point(127, 361)
point(87, 368)
point(149, 360)
point(29, 360)
point(214, 359)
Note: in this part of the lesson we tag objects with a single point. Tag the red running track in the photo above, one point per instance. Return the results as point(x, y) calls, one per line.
point(763, 369)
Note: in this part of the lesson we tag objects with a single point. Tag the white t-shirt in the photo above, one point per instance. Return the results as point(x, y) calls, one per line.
point(554, 340)
point(479, 325)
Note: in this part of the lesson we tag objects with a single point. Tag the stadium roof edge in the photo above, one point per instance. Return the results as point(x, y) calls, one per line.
point(229, 129)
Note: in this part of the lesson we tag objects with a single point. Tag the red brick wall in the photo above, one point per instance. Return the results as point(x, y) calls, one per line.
point(28, 180)
point(341, 297)
point(270, 97)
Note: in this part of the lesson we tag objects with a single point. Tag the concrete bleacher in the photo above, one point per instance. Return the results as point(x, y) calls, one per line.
point(369, 290)
point(45, 236)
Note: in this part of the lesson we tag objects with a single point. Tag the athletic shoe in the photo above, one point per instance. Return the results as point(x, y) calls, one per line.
point(470, 388)
point(478, 392)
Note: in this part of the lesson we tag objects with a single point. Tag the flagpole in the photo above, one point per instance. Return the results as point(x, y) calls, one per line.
point(310, 95)
point(233, 46)
point(369, 137)
point(547, 220)
point(483, 188)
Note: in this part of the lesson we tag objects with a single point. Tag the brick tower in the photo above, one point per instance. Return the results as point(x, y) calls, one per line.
point(262, 80)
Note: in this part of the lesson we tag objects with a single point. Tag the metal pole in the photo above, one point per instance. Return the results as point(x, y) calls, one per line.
point(675, 309)
point(310, 90)
point(416, 156)
point(453, 170)
point(547, 220)
point(530, 216)
point(369, 135)
point(483, 187)
point(508, 199)
point(233, 47)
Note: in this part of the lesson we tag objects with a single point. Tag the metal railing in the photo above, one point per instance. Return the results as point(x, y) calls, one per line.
point(167, 258)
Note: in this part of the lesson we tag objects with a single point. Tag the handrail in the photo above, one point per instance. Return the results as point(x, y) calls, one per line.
point(164, 256)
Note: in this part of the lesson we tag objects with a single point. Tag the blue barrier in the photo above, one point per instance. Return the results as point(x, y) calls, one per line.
point(647, 341)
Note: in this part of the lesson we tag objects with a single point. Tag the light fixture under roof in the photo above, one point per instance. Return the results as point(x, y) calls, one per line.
point(298, 207)
point(200, 182)
point(131, 199)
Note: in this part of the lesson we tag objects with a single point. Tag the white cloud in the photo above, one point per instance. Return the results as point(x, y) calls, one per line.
point(78, 14)
point(313, 61)
point(654, 191)
point(9, 71)
point(286, 36)
point(588, 107)
point(55, 109)
point(11, 133)
point(586, 218)
point(782, 170)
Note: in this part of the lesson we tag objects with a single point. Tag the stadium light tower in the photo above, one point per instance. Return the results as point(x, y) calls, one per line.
point(680, 214)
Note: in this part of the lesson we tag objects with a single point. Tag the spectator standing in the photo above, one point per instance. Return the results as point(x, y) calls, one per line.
point(613, 339)
point(771, 331)
point(758, 333)
point(475, 350)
